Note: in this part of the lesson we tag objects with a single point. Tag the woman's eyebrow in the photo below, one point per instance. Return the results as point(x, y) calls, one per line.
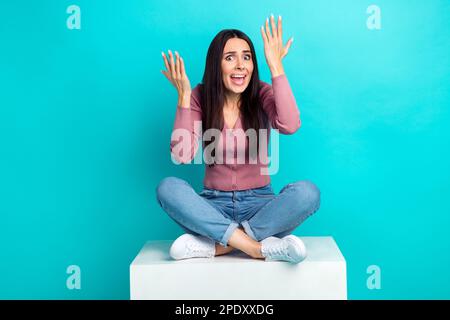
point(246, 51)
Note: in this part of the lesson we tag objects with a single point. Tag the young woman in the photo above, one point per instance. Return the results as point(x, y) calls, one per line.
point(237, 207)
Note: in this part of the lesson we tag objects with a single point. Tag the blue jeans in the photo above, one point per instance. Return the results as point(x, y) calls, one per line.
point(216, 214)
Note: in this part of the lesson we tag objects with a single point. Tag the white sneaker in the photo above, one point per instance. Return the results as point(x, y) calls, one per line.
point(189, 246)
point(289, 248)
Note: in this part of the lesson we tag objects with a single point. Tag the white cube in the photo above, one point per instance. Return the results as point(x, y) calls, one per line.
point(236, 276)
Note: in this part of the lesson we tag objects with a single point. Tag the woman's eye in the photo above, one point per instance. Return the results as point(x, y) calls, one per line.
point(247, 57)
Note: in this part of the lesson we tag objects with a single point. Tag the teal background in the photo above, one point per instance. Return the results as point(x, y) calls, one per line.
point(86, 117)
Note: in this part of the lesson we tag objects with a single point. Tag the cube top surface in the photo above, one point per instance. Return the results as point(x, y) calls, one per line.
point(319, 249)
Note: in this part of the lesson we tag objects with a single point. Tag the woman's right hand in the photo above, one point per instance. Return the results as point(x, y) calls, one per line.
point(176, 74)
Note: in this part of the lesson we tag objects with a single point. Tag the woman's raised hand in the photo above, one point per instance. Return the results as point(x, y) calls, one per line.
point(274, 49)
point(176, 73)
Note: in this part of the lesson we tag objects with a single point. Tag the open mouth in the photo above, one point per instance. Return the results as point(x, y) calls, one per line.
point(238, 79)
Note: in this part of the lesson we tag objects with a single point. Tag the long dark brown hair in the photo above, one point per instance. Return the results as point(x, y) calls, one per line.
point(213, 89)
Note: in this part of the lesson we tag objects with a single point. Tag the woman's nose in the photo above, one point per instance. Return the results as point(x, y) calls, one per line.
point(239, 64)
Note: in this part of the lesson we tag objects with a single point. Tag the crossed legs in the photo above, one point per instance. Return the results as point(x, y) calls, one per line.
point(240, 240)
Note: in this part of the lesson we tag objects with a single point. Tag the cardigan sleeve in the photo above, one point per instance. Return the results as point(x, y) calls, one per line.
point(280, 106)
point(187, 129)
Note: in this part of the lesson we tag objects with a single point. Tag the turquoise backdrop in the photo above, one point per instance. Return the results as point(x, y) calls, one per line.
point(86, 118)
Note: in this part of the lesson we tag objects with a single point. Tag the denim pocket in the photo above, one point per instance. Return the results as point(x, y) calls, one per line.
point(262, 192)
point(208, 193)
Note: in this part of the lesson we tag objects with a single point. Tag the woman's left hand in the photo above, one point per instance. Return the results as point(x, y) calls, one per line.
point(273, 46)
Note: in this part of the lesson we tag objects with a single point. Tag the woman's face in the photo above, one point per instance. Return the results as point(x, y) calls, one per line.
point(237, 65)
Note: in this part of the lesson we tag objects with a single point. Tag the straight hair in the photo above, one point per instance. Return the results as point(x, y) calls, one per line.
point(213, 90)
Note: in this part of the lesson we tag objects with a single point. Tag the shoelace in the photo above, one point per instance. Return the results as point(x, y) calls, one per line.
point(278, 249)
point(196, 247)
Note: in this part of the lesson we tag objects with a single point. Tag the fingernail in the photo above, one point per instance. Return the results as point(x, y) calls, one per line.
point(176, 53)
point(292, 39)
point(162, 53)
point(279, 17)
point(271, 15)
